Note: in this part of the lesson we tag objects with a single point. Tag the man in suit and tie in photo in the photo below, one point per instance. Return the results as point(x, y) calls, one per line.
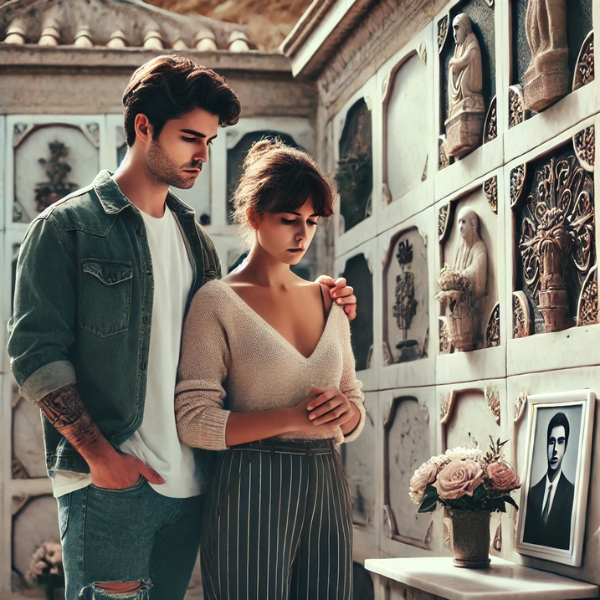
point(550, 501)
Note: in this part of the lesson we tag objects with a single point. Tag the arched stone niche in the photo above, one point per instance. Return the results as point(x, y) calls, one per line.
point(483, 200)
point(51, 161)
point(575, 62)
point(407, 127)
point(359, 461)
point(406, 298)
point(237, 155)
point(359, 274)
point(470, 414)
point(406, 448)
point(552, 199)
point(354, 174)
point(27, 436)
point(36, 523)
point(476, 114)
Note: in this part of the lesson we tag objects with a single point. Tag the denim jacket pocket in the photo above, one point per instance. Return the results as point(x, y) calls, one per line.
point(105, 296)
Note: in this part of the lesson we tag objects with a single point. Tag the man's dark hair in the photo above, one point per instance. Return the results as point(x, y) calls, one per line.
point(168, 87)
point(556, 421)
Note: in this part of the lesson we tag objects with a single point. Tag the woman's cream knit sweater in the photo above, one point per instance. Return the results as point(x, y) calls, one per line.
point(233, 360)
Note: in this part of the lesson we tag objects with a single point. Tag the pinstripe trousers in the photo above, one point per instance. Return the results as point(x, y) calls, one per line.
point(278, 524)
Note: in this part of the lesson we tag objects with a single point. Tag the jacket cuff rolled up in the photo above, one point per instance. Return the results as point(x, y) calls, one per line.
point(48, 379)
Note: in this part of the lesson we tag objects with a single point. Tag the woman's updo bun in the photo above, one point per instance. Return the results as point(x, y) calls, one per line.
point(278, 178)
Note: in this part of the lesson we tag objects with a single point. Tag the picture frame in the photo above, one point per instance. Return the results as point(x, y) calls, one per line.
point(552, 515)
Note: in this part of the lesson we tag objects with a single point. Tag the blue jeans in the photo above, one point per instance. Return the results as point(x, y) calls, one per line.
point(130, 535)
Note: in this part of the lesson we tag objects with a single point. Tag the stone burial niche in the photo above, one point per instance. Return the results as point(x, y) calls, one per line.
point(466, 45)
point(359, 272)
point(406, 447)
point(51, 161)
point(406, 299)
point(407, 126)
point(552, 53)
point(354, 176)
point(552, 199)
point(468, 281)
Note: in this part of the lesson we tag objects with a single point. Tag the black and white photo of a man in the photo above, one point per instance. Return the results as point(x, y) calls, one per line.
point(550, 500)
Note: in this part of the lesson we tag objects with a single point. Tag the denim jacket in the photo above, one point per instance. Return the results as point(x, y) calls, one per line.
point(83, 308)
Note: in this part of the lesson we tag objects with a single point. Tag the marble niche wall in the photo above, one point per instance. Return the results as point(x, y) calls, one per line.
point(482, 244)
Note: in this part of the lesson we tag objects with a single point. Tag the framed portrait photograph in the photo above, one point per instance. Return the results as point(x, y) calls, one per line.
point(554, 493)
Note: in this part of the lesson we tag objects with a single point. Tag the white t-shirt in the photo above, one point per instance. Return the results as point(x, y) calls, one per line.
point(156, 442)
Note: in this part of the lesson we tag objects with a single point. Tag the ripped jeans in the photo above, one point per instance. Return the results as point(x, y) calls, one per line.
point(130, 535)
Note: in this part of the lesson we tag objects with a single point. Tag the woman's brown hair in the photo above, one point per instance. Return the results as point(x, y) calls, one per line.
point(168, 87)
point(279, 179)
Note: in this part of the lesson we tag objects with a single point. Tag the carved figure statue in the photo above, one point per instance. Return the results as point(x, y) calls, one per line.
point(466, 108)
point(464, 285)
point(547, 78)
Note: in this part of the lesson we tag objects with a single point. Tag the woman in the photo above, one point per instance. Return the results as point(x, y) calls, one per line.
point(267, 373)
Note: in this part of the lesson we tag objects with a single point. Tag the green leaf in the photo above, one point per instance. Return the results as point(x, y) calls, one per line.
point(480, 493)
point(429, 504)
point(495, 504)
point(511, 501)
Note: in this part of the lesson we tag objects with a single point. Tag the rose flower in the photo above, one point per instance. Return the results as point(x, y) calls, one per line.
point(458, 478)
point(423, 476)
point(502, 477)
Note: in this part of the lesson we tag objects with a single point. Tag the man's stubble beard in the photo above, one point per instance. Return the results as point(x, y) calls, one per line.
point(162, 170)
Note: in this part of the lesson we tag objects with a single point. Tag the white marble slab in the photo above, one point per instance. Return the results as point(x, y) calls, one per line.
point(502, 581)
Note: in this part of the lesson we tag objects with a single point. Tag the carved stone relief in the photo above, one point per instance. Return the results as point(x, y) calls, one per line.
point(443, 26)
point(490, 129)
point(517, 181)
point(492, 331)
point(445, 344)
point(521, 316)
point(407, 127)
point(354, 174)
point(359, 463)
point(465, 283)
point(547, 78)
point(443, 220)
point(587, 309)
point(520, 404)
point(27, 437)
point(50, 161)
point(444, 160)
point(493, 401)
point(358, 272)
point(585, 70)
point(237, 154)
point(406, 298)
point(517, 113)
point(466, 106)
point(406, 447)
point(490, 187)
point(556, 238)
point(472, 416)
point(584, 143)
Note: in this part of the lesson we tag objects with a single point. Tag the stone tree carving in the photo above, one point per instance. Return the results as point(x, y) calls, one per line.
point(557, 235)
point(547, 78)
point(464, 285)
point(466, 108)
point(405, 306)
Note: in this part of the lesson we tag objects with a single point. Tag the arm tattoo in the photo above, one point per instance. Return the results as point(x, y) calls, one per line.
point(65, 411)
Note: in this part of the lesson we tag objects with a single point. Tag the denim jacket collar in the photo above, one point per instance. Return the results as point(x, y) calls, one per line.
point(114, 201)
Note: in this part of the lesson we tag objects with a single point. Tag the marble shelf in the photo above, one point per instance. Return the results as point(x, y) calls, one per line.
point(502, 581)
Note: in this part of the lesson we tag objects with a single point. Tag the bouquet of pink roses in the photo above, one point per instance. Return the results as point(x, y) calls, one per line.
point(465, 479)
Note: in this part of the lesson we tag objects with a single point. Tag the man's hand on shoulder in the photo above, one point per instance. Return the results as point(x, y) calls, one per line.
point(341, 293)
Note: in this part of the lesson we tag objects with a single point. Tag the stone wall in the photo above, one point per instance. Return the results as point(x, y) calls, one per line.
point(517, 150)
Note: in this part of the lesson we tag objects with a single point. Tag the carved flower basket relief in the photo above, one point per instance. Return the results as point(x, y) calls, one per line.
point(471, 485)
point(557, 237)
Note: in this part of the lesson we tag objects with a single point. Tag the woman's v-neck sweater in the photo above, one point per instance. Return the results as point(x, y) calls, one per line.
point(233, 360)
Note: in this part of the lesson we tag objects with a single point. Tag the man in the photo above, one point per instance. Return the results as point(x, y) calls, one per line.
point(550, 501)
point(104, 279)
